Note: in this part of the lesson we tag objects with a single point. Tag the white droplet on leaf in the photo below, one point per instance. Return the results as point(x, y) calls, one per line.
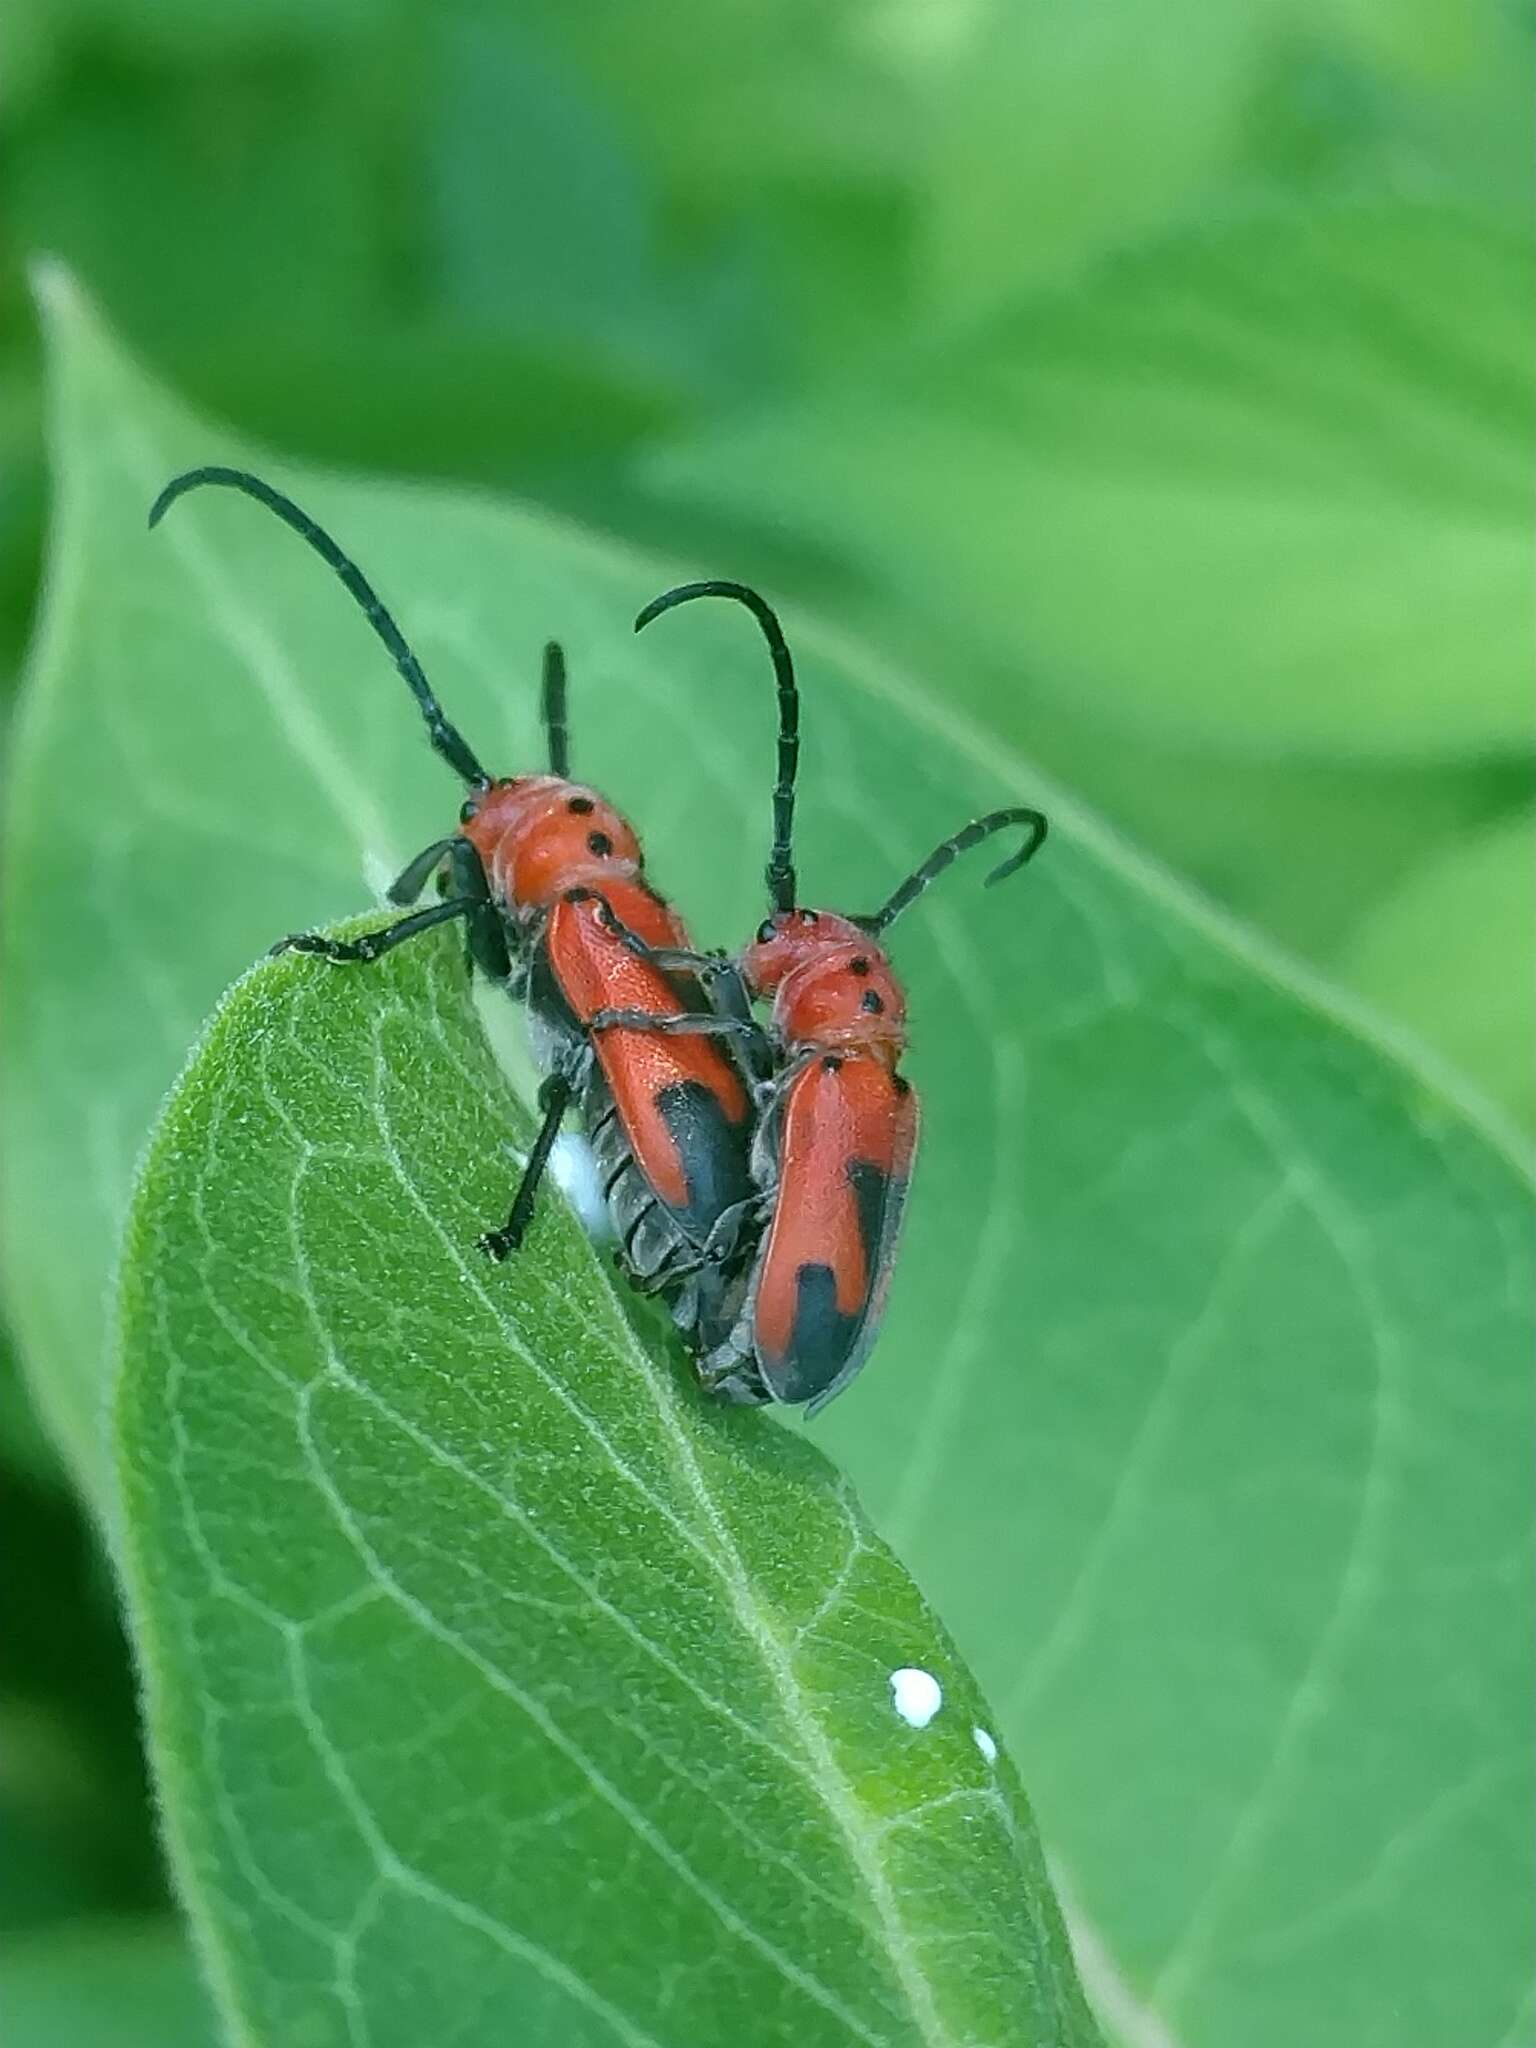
point(916, 1695)
point(985, 1744)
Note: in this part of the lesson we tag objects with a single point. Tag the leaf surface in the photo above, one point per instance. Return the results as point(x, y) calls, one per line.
point(1202, 1407)
point(493, 1675)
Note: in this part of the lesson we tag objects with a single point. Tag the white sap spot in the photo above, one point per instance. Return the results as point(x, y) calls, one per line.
point(574, 1171)
point(916, 1695)
point(985, 1744)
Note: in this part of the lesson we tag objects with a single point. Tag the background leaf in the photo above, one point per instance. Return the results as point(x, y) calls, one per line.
point(1266, 484)
point(1003, 211)
point(561, 1680)
point(104, 1984)
point(1458, 977)
point(1202, 1407)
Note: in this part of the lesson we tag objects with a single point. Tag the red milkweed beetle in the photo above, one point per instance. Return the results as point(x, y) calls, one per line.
point(548, 879)
point(809, 1260)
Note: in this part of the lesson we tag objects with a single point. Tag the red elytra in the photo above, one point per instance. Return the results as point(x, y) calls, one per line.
point(548, 879)
point(808, 1265)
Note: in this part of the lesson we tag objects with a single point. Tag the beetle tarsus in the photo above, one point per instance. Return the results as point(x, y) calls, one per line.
point(374, 945)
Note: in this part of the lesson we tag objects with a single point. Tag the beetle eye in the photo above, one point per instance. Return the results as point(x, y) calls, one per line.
point(600, 844)
point(808, 917)
point(580, 805)
point(765, 931)
point(467, 810)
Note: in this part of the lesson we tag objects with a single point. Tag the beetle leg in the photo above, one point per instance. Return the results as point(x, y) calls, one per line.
point(374, 945)
point(701, 1025)
point(731, 1375)
point(412, 879)
point(554, 1099)
point(716, 1250)
point(671, 959)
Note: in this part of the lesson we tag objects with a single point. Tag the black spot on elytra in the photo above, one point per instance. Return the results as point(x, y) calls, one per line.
point(873, 1001)
point(712, 1151)
point(600, 844)
point(823, 1338)
point(579, 806)
point(871, 1189)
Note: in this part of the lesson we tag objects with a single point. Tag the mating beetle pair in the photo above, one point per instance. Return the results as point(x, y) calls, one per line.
point(755, 1176)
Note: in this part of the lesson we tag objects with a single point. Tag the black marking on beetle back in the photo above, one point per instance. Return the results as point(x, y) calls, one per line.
point(712, 1151)
point(823, 1338)
point(871, 1187)
point(873, 1001)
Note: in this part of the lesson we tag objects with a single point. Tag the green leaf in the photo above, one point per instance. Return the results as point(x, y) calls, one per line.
point(1165, 88)
point(1201, 1410)
point(101, 178)
point(1449, 953)
point(565, 1698)
point(1265, 485)
point(104, 1983)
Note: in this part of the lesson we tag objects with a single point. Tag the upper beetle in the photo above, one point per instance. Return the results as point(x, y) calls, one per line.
point(809, 1260)
point(549, 881)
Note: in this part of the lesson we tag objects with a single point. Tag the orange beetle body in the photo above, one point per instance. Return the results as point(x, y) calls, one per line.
point(846, 1136)
point(835, 1148)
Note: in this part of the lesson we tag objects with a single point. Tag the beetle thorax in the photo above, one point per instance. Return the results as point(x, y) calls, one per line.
point(830, 983)
point(539, 836)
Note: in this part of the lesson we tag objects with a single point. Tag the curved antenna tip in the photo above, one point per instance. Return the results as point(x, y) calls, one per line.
point(164, 502)
point(1038, 827)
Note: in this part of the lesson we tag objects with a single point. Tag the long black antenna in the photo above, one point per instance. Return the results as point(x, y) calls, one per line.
point(950, 850)
point(780, 871)
point(445, 738)
point(556, 731)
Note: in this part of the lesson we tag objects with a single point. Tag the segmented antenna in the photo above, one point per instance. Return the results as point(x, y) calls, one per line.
point(780, 871)
point(950, 850)
point(445, 738)
point(556, 731)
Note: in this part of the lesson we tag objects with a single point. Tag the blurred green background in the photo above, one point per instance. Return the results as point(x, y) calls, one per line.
point(1155, 377)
